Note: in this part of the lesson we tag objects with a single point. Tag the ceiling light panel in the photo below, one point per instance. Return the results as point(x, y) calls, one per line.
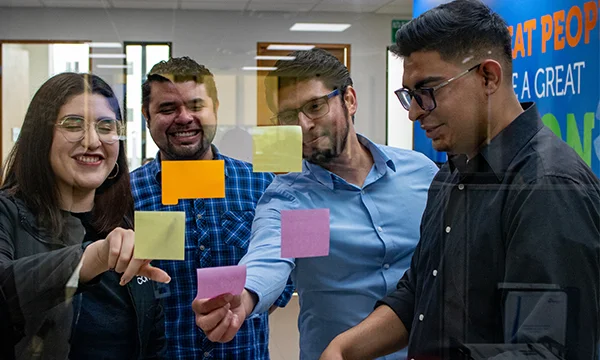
point(274, 57)
point(322, 27)
point(289, 47)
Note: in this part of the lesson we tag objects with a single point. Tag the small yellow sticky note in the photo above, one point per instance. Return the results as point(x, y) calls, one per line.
point(277, 148)
point(192, 179)
point(159, 235)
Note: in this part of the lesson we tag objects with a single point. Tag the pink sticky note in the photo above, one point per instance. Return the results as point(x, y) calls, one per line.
point(219, 280)
point(304, 233)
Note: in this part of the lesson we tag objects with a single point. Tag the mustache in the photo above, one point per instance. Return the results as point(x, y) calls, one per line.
point(185, 128)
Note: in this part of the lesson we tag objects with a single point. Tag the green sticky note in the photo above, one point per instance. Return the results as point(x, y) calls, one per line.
point(159, 235)
point(277, 148)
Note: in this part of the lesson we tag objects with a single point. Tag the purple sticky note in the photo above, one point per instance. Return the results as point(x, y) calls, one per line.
point(304, 233)
point(215, 281)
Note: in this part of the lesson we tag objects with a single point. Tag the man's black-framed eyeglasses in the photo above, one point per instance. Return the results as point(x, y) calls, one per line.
point(424, 96)
point(313, 109)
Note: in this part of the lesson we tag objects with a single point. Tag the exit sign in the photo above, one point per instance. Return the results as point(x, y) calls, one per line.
point(397, 24)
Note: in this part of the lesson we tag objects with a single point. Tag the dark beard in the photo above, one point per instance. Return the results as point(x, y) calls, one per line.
point(178, 154)
point(174, 153)
point(323, 157)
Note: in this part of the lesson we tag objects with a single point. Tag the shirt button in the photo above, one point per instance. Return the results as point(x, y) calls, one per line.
point(461, 186)
point(198, 216)
point(206, 354)
point(434, 272)
point(202, 248)
point(362, 192)
point(379, 228)
point(448, 228)
point(421, 317)
point(386, 266)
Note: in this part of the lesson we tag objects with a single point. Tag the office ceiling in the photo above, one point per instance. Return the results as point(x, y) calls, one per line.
point(403, 7)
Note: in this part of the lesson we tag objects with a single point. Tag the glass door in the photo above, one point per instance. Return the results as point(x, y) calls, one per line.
point(140, 58)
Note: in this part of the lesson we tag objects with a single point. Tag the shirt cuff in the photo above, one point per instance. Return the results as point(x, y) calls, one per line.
point(263, 303)
point(401, 306)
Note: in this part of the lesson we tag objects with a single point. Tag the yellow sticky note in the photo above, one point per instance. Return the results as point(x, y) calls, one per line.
point(277, 148)
point(159, 235)
point(192, 179)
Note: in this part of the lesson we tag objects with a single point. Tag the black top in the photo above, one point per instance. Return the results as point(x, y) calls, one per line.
point(35, 265)
point(104, 322)
point(525, 210)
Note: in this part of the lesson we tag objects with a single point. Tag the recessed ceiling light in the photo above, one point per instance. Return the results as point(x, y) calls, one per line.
point(108, 56)
point(111, 66)
point(319, 27)
point(105, 45)
point(289, 47)
point(259, 68)
point(274, 57)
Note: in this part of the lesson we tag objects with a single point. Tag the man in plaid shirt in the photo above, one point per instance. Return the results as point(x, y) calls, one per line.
point(179, 101)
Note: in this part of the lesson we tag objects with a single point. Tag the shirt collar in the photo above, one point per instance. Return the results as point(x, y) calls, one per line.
point(155, 166)
point(500, 152)
point(380, 158)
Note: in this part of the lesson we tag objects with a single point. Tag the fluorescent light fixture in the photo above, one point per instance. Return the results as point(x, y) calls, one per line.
point(319, 27)
point(289, 47)
point(108, 56)
point(260, 68)
point(274, 57)
point(105, 45)
point(110, 66)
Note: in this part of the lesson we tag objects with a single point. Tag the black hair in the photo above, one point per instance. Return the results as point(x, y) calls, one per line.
point(458, 30)
point(179, 69)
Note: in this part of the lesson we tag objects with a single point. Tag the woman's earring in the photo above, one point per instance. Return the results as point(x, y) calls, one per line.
point(116, 172)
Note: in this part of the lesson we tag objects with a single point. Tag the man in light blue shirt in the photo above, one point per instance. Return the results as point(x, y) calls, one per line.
point(376, 196)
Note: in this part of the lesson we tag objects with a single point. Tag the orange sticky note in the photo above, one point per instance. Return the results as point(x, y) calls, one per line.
point(192, 179)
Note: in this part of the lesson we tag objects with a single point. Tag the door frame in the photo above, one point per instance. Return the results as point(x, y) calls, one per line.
point(144, 73)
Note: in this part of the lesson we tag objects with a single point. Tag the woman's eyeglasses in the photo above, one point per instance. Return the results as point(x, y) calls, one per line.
point(74, 129)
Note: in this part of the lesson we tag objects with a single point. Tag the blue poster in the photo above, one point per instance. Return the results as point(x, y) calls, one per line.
point(556, 64)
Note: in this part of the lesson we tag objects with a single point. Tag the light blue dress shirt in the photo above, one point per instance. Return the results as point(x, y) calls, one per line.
point(373, 233)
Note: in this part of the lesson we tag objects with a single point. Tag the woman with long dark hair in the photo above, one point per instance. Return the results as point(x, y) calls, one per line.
point(66, 238)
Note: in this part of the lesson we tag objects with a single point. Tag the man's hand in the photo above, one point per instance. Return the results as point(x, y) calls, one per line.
point(221, 317)
point(116, 252)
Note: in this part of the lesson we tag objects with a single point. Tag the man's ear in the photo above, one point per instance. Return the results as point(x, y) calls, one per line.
point(216, 107)
point(145, 113)
point(492, 74)
point(350, 100)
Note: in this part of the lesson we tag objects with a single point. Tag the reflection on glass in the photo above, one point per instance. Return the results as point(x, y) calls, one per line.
point(140, 58)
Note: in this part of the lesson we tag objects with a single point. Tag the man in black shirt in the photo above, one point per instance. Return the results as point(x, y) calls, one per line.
point(510, 238)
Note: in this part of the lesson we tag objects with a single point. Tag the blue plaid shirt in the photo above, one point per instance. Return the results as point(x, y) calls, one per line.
point(217, 234)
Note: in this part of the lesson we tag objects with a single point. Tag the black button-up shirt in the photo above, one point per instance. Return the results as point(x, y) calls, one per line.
point(525, 210)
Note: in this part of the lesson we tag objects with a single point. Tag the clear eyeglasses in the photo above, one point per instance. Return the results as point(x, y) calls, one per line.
point(74, 129)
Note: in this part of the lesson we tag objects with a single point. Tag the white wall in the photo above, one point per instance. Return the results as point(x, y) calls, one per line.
point(38, 66)
point(68, 57)
point(223, 41)
point(399, 127)
point(15, 92)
